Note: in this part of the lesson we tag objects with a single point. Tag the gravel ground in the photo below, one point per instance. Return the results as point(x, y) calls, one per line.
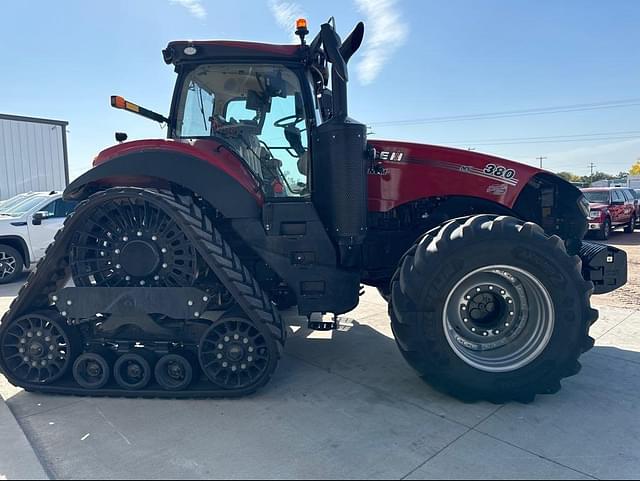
point(629, 295)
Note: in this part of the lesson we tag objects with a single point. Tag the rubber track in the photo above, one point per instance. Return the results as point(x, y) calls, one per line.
point(52, 273)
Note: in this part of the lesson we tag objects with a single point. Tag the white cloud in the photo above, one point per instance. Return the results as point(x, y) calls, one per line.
point(286, 14)
point(194, 7)
point(386, 32)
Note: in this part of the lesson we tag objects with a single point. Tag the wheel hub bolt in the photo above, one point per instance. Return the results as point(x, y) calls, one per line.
point(50, 357)
point(163, 250)
point(250, 349)
point(219, 356)
point(23, 341)
point(175, 371)
point(29, 334)
point(25, 359)
point(125, 239)
point(250, 359)
point(225, 364)
point(220, 346)
point(165, 265)
point(139, 234)
point(226, 339)
point(134, 371)
point(93, 369)
point(34, 363)
point(117, 251)
point(118, 266)
point(21, 350)
point(142, 283)
point(154, 238)
point(156, 278)
point(245, 341)
point(236, 337)
point(243, 366)
point(47, 339)
point(234, 368)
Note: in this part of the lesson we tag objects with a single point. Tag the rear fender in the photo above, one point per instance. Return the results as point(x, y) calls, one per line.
point(160, 169)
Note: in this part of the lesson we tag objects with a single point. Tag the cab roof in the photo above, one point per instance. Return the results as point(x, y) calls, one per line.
point(204, 50)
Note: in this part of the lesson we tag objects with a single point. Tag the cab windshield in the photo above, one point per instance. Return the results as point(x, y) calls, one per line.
point(256, 110)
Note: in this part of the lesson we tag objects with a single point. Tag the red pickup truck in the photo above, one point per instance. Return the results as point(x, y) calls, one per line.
point(610, 207)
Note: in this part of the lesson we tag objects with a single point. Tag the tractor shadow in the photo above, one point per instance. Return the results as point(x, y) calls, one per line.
point(369, 356)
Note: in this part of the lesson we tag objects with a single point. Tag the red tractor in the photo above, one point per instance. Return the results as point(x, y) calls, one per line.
point(267, 195)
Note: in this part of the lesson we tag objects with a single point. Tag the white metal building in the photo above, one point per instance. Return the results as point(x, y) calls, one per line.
point(33, 155)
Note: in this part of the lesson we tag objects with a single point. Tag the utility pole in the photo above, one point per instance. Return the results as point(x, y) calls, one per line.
point(541, 159)
point(591, 166)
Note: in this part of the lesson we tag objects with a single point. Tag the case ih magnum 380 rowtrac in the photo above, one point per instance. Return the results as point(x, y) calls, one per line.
point(265, 196)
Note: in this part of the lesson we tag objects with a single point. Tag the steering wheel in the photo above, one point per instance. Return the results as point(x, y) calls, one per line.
point(288, 121)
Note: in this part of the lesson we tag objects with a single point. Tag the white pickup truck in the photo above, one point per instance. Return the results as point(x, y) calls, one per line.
point(28, 223)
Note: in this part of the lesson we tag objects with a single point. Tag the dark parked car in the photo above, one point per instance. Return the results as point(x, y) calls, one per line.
point(610, 208)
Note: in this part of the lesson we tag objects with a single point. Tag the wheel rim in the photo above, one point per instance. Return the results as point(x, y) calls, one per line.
point(234, 354)
point(91, 371)
point(36, 349)
point(132, 371)
point(7, 265)
point(131, 242)
point(499, 318)
point(174, 372)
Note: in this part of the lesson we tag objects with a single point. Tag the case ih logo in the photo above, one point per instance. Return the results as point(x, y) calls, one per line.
point(392, 156)
point(497, 189)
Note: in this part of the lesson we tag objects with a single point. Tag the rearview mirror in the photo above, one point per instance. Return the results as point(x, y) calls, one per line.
point(39, 216)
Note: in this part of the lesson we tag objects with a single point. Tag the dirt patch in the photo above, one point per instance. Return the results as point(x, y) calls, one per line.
point(629, 295)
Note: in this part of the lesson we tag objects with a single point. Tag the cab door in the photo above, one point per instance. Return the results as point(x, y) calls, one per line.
point(42, 232)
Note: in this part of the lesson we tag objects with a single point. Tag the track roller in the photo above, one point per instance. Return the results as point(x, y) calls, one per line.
point(174, 372)
point(91, 370)
point(133, 371)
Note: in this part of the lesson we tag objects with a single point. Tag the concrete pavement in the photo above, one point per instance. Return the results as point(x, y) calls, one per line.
point(345, 405)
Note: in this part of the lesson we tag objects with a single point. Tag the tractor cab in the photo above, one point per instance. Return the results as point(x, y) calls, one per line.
point(270, 105)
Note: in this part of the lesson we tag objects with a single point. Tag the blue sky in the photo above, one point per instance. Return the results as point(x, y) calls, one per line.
point(422, 59)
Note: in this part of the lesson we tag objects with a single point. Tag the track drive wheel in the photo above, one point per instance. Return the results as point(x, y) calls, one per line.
point(38, 348)
point(491, 308)
point(236, 354)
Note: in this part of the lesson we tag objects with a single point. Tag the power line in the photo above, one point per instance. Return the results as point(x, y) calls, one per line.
point(612, 104)
point(635, 137)
point(546, 137)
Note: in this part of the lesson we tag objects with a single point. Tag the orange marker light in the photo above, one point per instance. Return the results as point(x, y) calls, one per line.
point(301, 24)
point(118, 102)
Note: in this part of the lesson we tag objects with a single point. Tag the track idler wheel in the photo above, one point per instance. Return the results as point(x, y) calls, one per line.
point(91, 370)
point(237, 354)
point(174, 372)
point(133, 371)
point(38, 348)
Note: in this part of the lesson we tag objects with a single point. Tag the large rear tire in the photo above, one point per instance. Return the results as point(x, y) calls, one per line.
point(491, 308)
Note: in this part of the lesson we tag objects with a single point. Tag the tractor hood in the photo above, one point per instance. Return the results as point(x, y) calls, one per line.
point(411, 170)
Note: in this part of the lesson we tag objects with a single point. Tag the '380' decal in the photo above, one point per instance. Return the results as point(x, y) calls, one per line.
point(499, 171)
